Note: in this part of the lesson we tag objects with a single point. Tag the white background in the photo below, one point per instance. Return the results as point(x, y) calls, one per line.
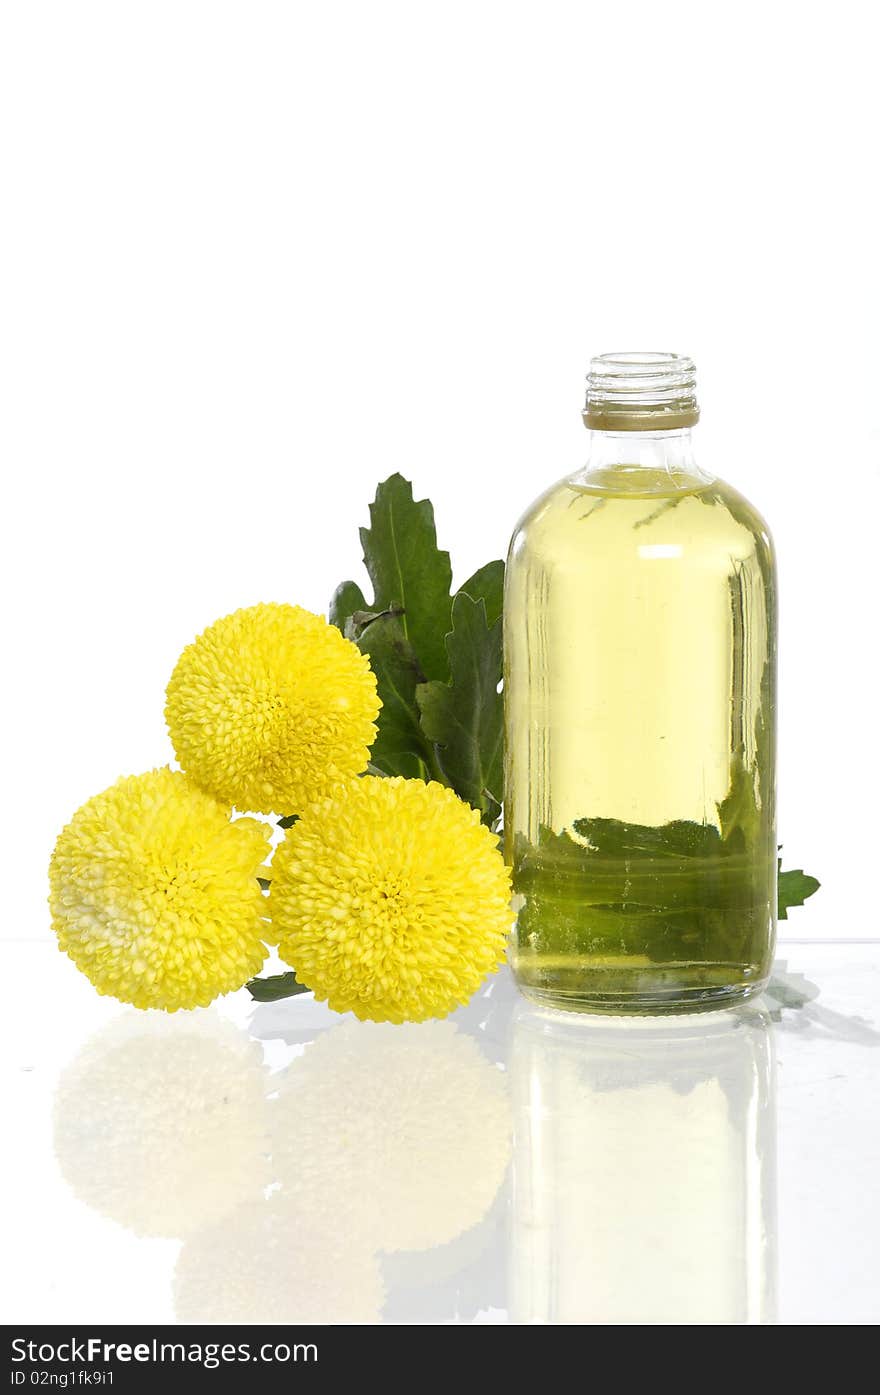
point(257, 256)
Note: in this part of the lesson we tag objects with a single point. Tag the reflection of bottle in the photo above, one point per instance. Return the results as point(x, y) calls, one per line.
point(640, 652)
point(643, 1172)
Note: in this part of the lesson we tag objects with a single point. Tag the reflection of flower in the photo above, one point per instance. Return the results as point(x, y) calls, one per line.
point(154, 893)
point(391, 901)
point(451, 1282)
point(160, 1121)
point(271, 1263)
point(270, 707)
point(407, 1129)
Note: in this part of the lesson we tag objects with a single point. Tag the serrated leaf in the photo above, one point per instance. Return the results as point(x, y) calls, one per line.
point(679, 891)
point(409, 572)
point(411, 579)
point(401, 747)
point(274, 987)
point(487, 584)
point(464, 717)
point(792, 889)
point(347, 598)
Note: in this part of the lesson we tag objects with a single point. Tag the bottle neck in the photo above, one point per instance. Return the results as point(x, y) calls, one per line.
point(672, 451)
point(646, 462)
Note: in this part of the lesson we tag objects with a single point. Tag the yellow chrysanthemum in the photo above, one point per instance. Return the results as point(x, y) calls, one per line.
point(154, 893)
point(391, 901)
point(271, 707)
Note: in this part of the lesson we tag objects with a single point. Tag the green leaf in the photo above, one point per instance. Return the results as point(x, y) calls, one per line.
point(682, 838)
point(408, 571)
point(678, 892)
point(288, 821)
point(404, 632)
point(347, 598)
point(487, 584)
point(401, 746)
point(464, 716)
point(793, 888)
point(358, 621)
point(679, 865)
point(269, 990)
point(738, 811)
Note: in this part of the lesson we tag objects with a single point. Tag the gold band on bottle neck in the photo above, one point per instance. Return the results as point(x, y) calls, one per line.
point(643, 419)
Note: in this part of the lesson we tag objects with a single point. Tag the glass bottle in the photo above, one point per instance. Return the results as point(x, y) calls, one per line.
point(640, 671)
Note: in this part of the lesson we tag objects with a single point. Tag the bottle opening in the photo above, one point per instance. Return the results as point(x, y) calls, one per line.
point(641, 392)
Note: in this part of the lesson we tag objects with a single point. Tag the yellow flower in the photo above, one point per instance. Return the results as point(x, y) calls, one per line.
point(270, 708)
point(391, 901)
point(154, 893)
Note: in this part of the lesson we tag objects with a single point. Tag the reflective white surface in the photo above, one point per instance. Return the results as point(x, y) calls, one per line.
point(279, 1163)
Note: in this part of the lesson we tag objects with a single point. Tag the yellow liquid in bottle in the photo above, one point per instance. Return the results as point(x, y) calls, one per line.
point(639, 695)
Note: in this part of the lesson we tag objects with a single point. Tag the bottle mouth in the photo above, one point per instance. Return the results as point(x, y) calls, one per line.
point(641, 392)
